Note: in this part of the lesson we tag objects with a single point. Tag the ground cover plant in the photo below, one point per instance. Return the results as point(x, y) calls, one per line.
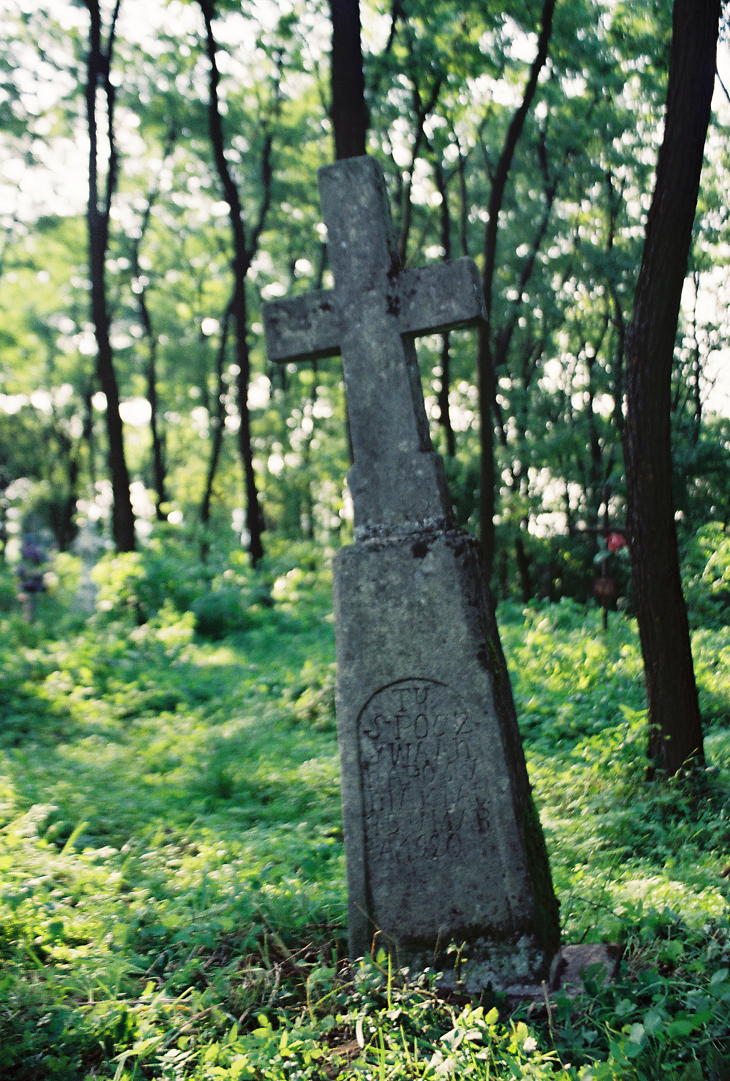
point(172, 900)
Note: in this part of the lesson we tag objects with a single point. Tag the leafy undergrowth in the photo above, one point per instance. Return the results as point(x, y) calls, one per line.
point(173, 885)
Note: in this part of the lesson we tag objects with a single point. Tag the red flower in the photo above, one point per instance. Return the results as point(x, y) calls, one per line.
point(615, 541)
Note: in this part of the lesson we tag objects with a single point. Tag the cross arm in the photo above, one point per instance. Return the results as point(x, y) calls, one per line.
point(441, 297)
point(303, 327)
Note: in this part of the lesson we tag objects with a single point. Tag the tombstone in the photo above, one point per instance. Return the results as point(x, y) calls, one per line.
point(446, 862)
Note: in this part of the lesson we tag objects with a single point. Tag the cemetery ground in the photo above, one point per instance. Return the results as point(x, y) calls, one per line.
point(172, 881)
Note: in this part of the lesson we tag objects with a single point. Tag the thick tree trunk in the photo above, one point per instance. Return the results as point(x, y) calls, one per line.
point(349, 112)
point(98, 230)
point(675, 730)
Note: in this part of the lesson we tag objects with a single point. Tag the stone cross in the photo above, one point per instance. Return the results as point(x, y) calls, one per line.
point(446, 860)
point(371, 318)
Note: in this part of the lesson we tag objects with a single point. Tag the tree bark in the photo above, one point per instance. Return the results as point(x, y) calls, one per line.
point(485, 362)
point(243, 253)
point(445, 381)
point(98, 64)
point(675, 729)
point(217, 421)
point(159, 467)
point(349, 112)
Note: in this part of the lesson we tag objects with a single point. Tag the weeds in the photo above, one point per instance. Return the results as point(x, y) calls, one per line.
point(172, 900)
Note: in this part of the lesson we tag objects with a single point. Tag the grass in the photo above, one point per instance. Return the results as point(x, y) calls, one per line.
point(172, 900)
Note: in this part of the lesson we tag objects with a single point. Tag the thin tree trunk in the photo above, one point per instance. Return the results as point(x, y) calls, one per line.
point(62, 513)
point(217, 421)
point(445, 384)
point(98, 232)
point(675, 729)
point(615, 200)
point(485, 361)
point(159, 470)
point(463, 203)
point(523, 566)
point(695, 387)
point(87, 436)
point(243, 253)
point(421, 113)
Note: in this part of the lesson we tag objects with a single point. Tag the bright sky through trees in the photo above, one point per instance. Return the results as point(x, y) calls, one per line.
point(55, 182)
point(442, 88)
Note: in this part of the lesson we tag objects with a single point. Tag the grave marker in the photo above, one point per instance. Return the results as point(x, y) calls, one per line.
point(444, 847)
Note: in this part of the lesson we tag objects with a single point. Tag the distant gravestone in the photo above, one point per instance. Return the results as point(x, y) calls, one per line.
point(446, 862)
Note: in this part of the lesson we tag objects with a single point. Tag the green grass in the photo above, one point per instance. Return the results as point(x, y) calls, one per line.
point(172, 898)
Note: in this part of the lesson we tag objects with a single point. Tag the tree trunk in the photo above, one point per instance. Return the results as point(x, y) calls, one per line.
point(98, 232)
point(217, 425)
point(159, 471)
point(675, 730)
point(349, 112)
point(485, 361)
point(159, 468)
point(254, 515)
point(445, 382)
point(523, 566)
point(243, 253)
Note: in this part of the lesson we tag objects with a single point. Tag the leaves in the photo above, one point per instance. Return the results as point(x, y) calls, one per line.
point(442, 86)
point(173, 868)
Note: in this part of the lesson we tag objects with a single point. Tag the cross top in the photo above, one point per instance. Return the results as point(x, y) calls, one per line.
point(361, 241)
point(371, 318)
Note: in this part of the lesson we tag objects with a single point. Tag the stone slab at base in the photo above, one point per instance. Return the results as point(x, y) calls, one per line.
point(571, 961)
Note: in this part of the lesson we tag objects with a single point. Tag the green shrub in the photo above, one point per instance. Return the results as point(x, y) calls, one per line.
point(8, 589)
point(706, 576)
point(173, 877)
point(219, 613)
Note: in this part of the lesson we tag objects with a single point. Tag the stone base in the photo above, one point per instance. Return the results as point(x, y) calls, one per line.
point(509, 967)
point(566, 974)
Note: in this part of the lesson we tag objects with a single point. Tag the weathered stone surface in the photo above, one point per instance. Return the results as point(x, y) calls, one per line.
point(370, 317)
point(444, 848)
point(443, 843)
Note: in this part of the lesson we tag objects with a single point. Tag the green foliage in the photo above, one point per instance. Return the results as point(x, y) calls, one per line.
point(165, 579)
point(8, 589)
point(443, 85)
point(706, 567)
point(173, 898)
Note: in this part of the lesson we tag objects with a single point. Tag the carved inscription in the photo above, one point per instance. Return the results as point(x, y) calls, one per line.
point(418, 776)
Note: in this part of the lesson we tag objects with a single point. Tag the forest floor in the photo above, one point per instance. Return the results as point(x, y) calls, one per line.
point(172, 890)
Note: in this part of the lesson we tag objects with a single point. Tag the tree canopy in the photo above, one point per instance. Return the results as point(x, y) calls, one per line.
point(526, 137)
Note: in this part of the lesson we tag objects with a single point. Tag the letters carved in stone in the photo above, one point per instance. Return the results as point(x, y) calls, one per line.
point(418, 770)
